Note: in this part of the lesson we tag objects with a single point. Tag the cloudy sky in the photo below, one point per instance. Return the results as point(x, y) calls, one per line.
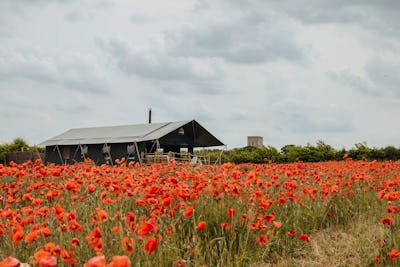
point(291, 71)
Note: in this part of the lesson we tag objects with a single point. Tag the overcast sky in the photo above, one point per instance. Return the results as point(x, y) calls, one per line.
point(294, 72)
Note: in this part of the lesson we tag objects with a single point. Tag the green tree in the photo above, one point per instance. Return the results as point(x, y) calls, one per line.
point(18, 144)
point(391, 153)
point(326, 151)
point(361, 151)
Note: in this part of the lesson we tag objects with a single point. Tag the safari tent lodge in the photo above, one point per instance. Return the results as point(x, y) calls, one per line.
point(142, 143)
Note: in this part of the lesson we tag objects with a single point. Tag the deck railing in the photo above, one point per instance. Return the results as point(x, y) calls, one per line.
point(165, 158)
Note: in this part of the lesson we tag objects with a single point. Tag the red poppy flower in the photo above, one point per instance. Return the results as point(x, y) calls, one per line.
point(231, 212)
point(148, 227)
point(32, 236)
point(394, 253)
point(277, 224)
point(151, 245)
point(120, 261)
point(116, 229)
point(269, 218)
point(201, 226)
point(387, 221)
point(127, 244)
point(305, 238)
point(48, 261)
point(262, 240)
point(74, 242)
point(180, 263)
point(291, 233)
point(91, 188)
point(17, 236)
point(97, 261)
point(45, 232)
point(94, 239)
point(10, 262)
point(226, 225)
point(253, 226)
point(75, 226)
point(188, 212)
point(39, 255)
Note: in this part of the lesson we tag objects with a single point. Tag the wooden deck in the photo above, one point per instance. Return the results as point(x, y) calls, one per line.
point(166, 158)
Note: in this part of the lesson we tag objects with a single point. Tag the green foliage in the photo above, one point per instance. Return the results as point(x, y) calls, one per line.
point(309, 153)
point(18, 144)
point(288, 153)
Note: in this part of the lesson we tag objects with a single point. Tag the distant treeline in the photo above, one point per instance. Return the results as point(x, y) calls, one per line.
point(308, 153)
point(288, 153)
point(18, 144)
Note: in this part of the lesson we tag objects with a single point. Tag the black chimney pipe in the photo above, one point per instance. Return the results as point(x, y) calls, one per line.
point(150, 115)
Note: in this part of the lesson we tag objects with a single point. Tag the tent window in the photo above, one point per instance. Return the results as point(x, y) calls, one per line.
point(130, 150)
point(106, 149)
point(66, 152)
point(84, 150)
point(107, 153)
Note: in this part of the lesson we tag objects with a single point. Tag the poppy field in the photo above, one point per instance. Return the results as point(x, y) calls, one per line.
point(343, 213)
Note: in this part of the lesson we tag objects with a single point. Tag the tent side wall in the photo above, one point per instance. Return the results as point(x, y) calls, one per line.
point(190, 135)
point(51, 155)
point(182, 137)
point(72, 153)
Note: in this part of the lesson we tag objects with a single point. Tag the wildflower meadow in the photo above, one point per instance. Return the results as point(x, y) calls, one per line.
point(335, 213)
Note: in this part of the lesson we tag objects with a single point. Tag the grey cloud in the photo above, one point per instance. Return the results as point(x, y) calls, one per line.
point(13, 108)
point(201, 5)
point(73, 71)
point(74, 16)
point(380, 16)
point(320, 12)
point(20, 8)
point(236, 116)
point(382, 78)
point(158, 65)
point(377, 17)
point(77, 13)
point(4, 34)
point(37, 2)
point(17, 64)
point(304, 118)
point(140, 18)
point(27, 3)
point(200, 87)
point(183, 108)
point(248, 39)
point(308, 124)
point(345, 77)
point(385, 76)
point(74, 109)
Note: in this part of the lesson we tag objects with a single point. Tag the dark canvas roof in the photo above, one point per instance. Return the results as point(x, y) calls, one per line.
point(130, 133)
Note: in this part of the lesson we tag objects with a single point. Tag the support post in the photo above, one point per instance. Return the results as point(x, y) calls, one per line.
point(138, 155)
point(158, 144)
point(220, 156)
point(157, 148)
point(59, 154)
point(109, 154)
point(194, 134)
point(38, 153)
point(83, 154)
